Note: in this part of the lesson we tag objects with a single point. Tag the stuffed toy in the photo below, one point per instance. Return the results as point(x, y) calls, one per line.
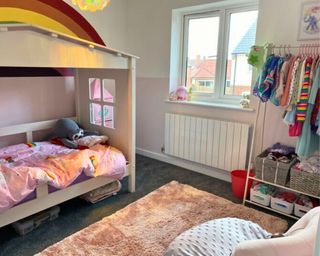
point(181, 93)
point(68, 131)
point(257, 55)
point(245, 101)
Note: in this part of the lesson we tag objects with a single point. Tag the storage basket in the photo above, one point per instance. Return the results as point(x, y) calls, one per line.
point(304, 181)
point(103, 192)
point(272, 171)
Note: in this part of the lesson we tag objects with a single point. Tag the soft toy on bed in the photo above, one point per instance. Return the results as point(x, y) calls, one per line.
point(70, 134)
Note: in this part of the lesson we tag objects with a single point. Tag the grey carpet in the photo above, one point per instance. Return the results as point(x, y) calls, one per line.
point(77, 214)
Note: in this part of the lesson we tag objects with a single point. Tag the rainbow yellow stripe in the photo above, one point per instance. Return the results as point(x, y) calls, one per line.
point(55, 15)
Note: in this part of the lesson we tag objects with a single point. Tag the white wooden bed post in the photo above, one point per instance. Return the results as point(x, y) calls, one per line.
point(77, 94)
point(132, 122)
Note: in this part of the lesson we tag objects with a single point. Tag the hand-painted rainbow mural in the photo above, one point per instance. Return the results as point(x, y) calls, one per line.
point(52, 14)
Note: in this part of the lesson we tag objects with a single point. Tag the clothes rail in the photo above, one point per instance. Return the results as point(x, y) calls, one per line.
point(302, 48)
point(294, 47)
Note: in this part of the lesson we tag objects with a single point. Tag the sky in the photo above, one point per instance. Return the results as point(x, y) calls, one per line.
point(203, 33)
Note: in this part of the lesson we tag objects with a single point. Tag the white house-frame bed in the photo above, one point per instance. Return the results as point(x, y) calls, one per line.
point(31, 46)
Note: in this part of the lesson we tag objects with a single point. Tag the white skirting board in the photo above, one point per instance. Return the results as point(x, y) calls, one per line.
point(209, 171)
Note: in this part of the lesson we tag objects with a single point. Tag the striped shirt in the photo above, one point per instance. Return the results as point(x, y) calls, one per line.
point(304, 93)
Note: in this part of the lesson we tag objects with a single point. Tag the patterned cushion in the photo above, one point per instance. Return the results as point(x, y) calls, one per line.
point(215, 238)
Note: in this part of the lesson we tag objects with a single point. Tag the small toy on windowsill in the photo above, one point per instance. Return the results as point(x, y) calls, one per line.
point(245, 101)
point(180, 94)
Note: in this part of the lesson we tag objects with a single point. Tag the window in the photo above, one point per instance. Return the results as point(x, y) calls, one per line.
point(215, 45)
point(101, 103)
point(202, 37)
point(95, 89)
point(109, 90)
point(95, 114)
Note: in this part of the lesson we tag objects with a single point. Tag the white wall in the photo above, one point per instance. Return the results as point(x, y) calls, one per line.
point(111, 23)
point(149, 26)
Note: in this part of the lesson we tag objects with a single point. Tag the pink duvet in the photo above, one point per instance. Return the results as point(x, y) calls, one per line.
point(25, 166)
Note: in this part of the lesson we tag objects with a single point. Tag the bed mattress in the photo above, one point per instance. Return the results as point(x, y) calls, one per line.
point(25, 166)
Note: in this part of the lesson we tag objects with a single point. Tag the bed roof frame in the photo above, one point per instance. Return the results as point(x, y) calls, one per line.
point(26, 45)
point(32, 46)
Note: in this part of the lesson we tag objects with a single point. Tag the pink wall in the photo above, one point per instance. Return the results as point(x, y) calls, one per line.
point(31, 99)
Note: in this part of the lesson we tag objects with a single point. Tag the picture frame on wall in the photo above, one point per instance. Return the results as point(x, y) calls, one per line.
point(309, 23)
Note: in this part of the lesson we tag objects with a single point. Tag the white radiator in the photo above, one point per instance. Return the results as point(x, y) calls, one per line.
point(216, 143)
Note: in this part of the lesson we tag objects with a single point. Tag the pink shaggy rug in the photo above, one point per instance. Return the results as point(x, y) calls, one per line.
point(147, 226)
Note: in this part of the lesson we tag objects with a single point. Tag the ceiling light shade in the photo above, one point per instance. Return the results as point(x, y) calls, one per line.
point(91, 5)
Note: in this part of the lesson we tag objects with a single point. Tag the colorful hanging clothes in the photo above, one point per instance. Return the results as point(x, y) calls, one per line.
point(315, 99)
point(283, 76)
point(273, 97)
point(294, 83)
point(304, 94)
point(294, 90)
point(318, 124)
point(295, 130)
point(309, 142)
point(301, 76)
point(265, 83)
point(285, 95)
point(314, 113)
point(290, 116)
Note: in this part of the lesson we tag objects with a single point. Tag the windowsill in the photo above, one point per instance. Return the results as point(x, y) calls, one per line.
point(212, 105)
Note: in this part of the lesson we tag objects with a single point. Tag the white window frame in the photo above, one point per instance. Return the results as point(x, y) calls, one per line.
point(102, 104)
point(224, 13)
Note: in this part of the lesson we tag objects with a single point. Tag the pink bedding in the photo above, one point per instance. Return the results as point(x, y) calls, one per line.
point(25, 166)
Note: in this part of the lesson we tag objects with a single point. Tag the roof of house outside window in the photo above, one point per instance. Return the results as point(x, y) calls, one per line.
point(206, 69)
point(247, 40)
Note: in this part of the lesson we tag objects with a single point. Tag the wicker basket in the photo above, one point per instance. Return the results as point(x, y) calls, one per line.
point(272, 171)
point(304, 181)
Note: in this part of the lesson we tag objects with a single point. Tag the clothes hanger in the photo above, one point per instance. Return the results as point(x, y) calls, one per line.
point(288, 47)
point(304, 55)
point(279, 49)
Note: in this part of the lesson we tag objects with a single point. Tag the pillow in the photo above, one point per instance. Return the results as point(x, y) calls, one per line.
point(92, 140)
point(215, 237)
